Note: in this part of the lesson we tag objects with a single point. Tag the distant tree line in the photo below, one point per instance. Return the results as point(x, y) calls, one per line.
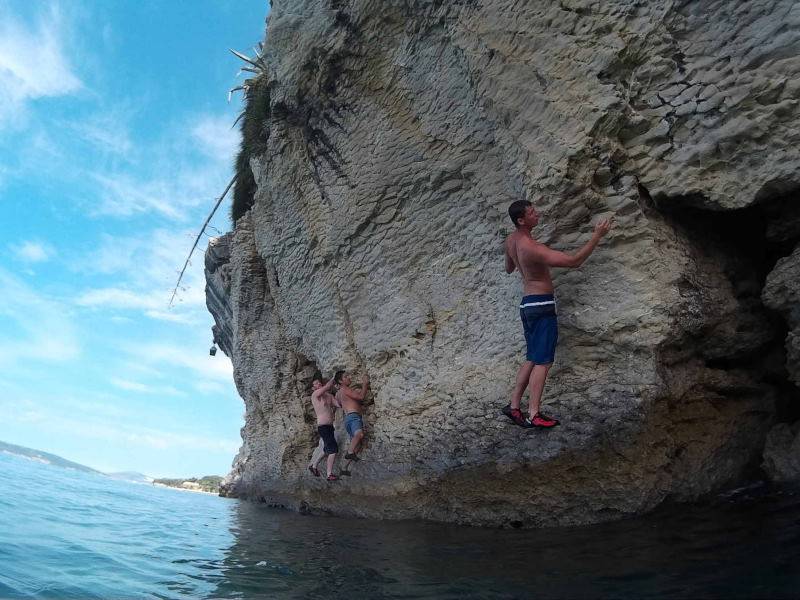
point(209, 483)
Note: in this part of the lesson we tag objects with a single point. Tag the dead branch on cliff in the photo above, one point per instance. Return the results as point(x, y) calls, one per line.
point(199, 235)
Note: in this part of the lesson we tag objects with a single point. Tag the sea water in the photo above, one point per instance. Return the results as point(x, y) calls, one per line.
point(68, 534)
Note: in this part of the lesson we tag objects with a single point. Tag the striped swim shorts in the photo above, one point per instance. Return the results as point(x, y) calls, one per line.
point(539, 321)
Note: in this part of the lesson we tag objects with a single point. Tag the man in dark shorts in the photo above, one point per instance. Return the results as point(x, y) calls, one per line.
point(324, 406)
point(538, 307)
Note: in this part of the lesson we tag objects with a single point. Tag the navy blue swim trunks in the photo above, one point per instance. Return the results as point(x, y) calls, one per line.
point(328, 439)
point(538, 314)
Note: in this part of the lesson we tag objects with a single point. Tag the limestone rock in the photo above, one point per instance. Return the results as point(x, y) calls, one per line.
point(782, 452)
point(217, 273)
point(782, 293)
point(398, 134)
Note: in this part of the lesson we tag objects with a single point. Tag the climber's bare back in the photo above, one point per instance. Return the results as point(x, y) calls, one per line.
point(521, 254)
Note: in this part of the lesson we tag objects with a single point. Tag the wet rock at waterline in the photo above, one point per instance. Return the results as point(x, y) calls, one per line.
point(782, 452)
point(782, 293)
point(395, 135)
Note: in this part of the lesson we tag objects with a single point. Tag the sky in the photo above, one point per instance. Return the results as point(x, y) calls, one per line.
point(116, 139)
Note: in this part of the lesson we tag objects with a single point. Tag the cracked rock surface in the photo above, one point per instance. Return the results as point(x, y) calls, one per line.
point(399, 133)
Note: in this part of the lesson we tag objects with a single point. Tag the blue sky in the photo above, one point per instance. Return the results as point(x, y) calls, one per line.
point(115, 140)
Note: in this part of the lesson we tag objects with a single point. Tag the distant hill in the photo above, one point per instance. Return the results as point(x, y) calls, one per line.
point(45, 457)
point(131, 476)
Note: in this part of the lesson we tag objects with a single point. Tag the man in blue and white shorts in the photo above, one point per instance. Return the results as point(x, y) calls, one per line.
point(538, 307)
point(351, 401)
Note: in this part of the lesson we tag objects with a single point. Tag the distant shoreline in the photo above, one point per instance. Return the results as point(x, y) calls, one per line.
point(183, 489)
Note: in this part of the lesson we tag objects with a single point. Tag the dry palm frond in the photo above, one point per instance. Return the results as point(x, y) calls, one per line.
point(255, 62)
point(257, 66)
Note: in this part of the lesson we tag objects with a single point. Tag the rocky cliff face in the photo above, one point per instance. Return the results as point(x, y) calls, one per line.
point(398, 132)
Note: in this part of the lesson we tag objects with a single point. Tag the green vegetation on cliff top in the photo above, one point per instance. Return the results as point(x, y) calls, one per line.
point(255, 132)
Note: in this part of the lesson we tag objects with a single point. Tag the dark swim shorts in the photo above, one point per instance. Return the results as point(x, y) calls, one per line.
point(538, 314)
point(328, 439)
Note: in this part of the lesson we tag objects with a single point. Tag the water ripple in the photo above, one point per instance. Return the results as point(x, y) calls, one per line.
point(67, 534)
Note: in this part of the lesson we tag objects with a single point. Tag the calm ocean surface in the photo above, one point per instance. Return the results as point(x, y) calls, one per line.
point(66, 534)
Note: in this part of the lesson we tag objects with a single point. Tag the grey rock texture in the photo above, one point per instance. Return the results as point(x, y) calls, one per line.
point(398, 134)
point(782, 452)
point(782, 293)
point(218, 288)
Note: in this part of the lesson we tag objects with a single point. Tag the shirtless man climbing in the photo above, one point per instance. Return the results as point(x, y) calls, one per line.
point(538, 308)
point(324, 406)
point(351, 401)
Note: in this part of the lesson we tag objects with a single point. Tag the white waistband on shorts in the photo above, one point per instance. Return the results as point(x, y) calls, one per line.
point(527, 304)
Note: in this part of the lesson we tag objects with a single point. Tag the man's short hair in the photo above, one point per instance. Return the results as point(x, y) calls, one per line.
point(517, 210)
point(337, 378)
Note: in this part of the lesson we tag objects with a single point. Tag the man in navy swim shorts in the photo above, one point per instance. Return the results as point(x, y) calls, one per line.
point(325, 406)
point(538, 307)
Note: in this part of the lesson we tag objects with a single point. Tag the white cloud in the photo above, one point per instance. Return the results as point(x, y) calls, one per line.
point(124, 195)
point(117, 298)
point(166, 315)
point(148, 265)
point(189, 168)
point(107, 132)
point(114, 255)
point(135, 367)
point(173, 195)
point(113, 430)
point(143, 388)
point(38, 151)
point(132, 386)
point(33, 252)
point(153, 304)
point(120, 319)
point(162, 361)
point(33, 62)
point(151, 368)
point(210, 387)
point(216, 137)
point(194, 358)
point(35, 327)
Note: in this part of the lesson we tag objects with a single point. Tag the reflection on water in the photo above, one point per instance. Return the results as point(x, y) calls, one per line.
point(68, 534)
point(728, 549)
